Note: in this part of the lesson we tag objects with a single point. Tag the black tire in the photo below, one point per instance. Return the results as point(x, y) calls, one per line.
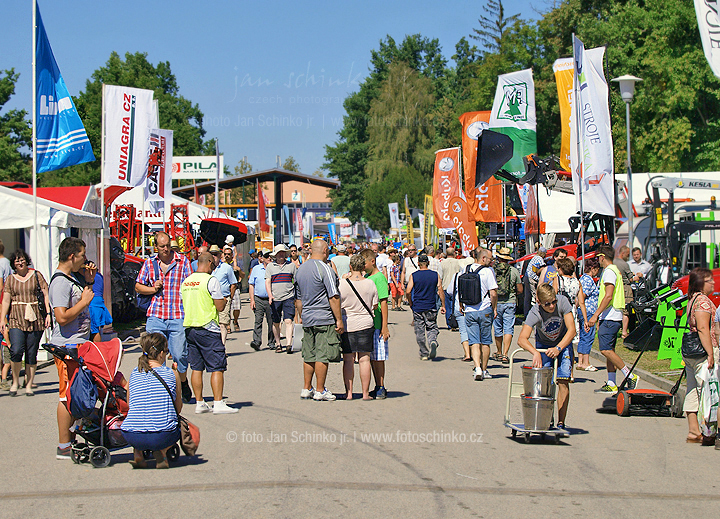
point(100, 457)
point(514, 433)
point(173, 453)
point(557, 439)
point(527, 437)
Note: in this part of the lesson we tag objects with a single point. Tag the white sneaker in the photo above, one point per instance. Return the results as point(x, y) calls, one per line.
point(222, 408)
point(478, 373)
point(325, 395)
point(486, 374)
point(202, 407)
point(307, 394)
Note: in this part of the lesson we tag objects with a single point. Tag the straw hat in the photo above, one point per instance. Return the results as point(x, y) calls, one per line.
point(504, 253)
point(214, 249)
point(280, 247)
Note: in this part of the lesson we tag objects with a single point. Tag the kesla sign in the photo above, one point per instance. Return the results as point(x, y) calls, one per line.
point(200, 168)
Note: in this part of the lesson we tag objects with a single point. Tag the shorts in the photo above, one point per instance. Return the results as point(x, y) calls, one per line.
point(24, 344)
point(629, 298)
point(607, 334)
point(224, 316)
point(360, 341)
point(236, 302)
point(479, 326)
point(396, 290)
point(504, 323)
point(283, 310)
point(5, 353)
point(462, 326)
point(567, 356)
point(321, 344)
point(380, 347)
point(64, 376)
point(152, 441)
point(206, 351)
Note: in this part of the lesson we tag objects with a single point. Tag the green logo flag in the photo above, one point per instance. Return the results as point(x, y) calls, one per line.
point(513, 114)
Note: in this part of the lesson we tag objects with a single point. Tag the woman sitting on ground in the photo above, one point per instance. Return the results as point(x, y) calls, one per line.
point(152, 423)
point(554, 331)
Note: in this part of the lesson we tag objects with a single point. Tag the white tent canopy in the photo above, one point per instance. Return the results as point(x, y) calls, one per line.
point(55, 221)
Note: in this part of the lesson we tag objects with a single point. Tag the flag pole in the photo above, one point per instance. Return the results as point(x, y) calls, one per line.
point(101, 267)
point(578, 165)
point(34, 128)
point(217, 179)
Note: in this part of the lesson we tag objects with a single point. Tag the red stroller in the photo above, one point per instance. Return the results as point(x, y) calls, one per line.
point(101, 427)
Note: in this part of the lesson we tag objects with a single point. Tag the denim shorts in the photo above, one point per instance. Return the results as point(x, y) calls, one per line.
point(564, 370)
point(462, 326)
point(504, 323)
point(479, 326)
point(585, 339)
point(607, 334)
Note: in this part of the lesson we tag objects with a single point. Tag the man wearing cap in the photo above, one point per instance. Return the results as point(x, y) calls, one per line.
point(509, 287)
point(341, 261)
point(254, 259)
point(280, 286)
point(259, 302)
point(225, 275)
point(422, 292)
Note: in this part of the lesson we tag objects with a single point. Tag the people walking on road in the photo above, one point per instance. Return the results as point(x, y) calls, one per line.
point(358, 300)
point(397, 287)
point(628, 278)
point(422, 291)
point(318, 304)
point(532, 274)
point(381, 336)
point(341, 261)
point(152, 420)
point(260, 303)
point(203, 300)
point(448, 268)
point(609, 316)
point(23, 319)
point(509, 287)
point(161, 277)
point(280, 286)
point(549, 273)
point(701, 312)
point(410, 265)
point(554, 331)
point(70, 295)
point(587, 305)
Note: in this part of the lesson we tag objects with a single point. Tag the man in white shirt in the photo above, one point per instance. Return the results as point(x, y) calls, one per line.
point(638, 265)
point(383, 262)
point(448, 268)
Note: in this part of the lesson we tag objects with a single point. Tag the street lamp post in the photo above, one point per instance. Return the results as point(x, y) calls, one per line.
point(627, 90)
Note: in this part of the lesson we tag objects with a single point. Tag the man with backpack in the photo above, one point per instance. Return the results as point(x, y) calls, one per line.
point(509, 287)
point(477, 295)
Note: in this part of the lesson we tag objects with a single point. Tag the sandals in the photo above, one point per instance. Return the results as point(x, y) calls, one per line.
point(467, 359)
point(504, 359)
point(138, 464)
point(279, 349)
point(161, 461)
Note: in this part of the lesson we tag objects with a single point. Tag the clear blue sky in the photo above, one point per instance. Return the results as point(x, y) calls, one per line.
point(269, 76)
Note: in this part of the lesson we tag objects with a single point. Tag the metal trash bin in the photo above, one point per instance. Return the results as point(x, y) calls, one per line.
point(537, 382)
point(537, 412)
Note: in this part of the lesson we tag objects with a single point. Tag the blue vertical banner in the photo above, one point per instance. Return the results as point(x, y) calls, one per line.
point(61, 137)
point(333, 233)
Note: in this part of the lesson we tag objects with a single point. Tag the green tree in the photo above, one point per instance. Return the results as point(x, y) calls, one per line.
point(494, 26)
point(176, 112)
point(291, 164)
point(15, 135)
point(397, 182)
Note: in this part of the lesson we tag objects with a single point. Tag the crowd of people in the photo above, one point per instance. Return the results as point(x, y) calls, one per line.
point(338, 299)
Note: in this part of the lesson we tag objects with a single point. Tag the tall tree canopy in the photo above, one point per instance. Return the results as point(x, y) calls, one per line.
point(15, 135)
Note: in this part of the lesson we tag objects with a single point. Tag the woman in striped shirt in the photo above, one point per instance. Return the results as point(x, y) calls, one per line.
point(152, 422)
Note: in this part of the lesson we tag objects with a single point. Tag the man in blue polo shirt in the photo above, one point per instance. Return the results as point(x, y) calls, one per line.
point(228, 284)
point(259, 302)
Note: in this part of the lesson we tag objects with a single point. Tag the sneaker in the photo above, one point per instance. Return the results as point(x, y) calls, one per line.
point(433, 349)
point(381, 393)
point(307, 394)
point(486, 374)
point(633, 381)
point(64, 454)
point(325, 395)
point(609, 387)
point(255, 346)
point(424, 357)
point(478, 374)
point(186, 392)
point(202, 407)
point(222, 408)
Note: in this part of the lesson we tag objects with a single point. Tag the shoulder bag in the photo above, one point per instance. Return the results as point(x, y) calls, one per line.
point(41, 300)
point(692, 347)
point(143, 300)
point(189, 432)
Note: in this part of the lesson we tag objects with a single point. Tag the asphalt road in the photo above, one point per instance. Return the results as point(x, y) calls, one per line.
point(437, 447)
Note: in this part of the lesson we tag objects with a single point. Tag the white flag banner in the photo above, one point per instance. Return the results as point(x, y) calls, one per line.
point(128, 118)
point(158, 183)
point(394, 215)
point(709, 25)
point(592, 174)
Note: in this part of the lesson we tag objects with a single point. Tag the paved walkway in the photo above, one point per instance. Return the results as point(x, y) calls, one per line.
point(436, 447)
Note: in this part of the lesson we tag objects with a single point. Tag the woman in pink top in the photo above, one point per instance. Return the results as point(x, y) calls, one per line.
point(358, 300)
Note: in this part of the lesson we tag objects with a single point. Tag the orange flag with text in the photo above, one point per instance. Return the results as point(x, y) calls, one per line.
point(485, 202)
point(446, 185)
point(462, 221)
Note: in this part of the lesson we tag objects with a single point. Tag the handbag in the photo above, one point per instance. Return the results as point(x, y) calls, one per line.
point(41, 300)
point(189, 432)
point(692, 347)
point(143, 300)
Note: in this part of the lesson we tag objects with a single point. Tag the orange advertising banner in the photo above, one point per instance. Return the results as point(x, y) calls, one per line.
point(446, 185)
point(485, 202)
point(463, 222)
point(564, 78)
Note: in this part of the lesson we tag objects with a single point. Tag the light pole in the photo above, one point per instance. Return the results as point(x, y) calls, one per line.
point(627, 90)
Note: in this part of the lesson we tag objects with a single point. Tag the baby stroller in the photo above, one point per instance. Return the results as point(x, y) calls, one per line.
point(93, 375)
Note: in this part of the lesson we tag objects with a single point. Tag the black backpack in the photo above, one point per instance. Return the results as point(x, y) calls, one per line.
point(470, 287)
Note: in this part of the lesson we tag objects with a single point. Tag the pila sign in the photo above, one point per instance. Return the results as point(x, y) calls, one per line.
point(199, 168)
